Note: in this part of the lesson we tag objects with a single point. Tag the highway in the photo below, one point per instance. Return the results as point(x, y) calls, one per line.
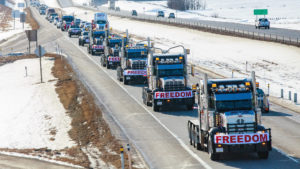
point(162, 137)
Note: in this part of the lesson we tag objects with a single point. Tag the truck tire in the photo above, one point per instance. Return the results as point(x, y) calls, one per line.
point(107, 66)
point(155, 107)
point(69, 35)
point(125, 81)
point(190, 107)
point(263, 155)
point(213, 156)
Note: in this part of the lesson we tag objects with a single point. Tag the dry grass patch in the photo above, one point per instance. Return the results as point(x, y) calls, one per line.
point(30, 20)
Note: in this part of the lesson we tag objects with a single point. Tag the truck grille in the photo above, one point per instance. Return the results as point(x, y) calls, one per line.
point(174, 85)
point(139, 65)
point(241, 128)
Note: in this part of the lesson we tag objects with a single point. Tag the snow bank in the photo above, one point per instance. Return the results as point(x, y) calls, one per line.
point(30, 110)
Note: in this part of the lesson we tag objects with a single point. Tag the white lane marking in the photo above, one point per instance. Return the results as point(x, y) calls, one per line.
point(183, 145)
point(285, 154)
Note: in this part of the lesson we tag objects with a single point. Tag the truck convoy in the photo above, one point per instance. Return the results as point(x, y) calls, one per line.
point(168, 81)
point(133, 63)
point(228, 119)
point(111, 57)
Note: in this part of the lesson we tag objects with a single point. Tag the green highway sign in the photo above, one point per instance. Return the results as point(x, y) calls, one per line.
point(260, 11)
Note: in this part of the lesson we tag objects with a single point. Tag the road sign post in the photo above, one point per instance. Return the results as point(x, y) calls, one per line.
point(40, 51)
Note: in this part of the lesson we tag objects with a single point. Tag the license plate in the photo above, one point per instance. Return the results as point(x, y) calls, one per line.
point(111, 64)
point(127, 78)
point(159, 103)
point(219, 150)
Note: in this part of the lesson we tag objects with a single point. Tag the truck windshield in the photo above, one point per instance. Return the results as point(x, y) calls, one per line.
point(169, 72)
point(233, 105)
point(68, 19)
point(136, 55)
point(113, 44)
point(101, 22)
point(98, 35)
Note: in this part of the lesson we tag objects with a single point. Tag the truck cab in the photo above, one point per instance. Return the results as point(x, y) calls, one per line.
point(228, 119)
point(66, 22)
point(168, 81)
point(133, 64)
point(100, 21)
point(96, 46)
point(112, 52)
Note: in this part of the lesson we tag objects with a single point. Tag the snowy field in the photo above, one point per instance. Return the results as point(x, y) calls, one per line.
point(11, 30)
point(282, 14)
point(31, 113)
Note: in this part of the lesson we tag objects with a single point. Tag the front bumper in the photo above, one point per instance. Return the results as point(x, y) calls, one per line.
point(98, 51)
point(114, 63)
point(174, 101)
point(136, 78)
point(75, 33)
point(243, 148)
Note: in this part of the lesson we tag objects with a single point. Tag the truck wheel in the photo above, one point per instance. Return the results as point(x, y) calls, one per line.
point(213, 156)
point(69, 35)
point(125, 81)
point(263, 155)
point(155, 107)
point(190, 107)
point(107, 66)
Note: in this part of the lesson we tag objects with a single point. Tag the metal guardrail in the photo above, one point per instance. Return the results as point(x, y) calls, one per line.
point(194, 24)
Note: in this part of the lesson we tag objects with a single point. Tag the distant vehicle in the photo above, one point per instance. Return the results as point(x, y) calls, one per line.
point(100, 21)
point(81, 25)
point(74, 30)
point(42, 10)
point(52, 16)
point(56, 20)
point(87, 26)
point(50, 11)
point(262, 99)
point(262, 22)
point(134, 13)
point(171, 15)
point(66, 22)
point(77, 22)
point(117, 8)
point(58, 25)
point(160, 14)
point(84, 38)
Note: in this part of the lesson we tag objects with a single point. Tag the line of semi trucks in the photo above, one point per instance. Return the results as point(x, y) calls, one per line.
point(229, 110)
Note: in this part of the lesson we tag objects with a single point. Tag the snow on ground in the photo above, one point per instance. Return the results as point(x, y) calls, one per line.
point(283, 14)
point(51, 3)
point(30, 110)
point(81, 2)
point(274, 63)
point(16, 26)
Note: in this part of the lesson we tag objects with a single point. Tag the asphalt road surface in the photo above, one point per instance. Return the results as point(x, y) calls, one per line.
point(162, 137)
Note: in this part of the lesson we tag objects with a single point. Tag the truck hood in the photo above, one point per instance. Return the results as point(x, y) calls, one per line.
point(170, 83)
point(239, 117)
point(138, 63)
